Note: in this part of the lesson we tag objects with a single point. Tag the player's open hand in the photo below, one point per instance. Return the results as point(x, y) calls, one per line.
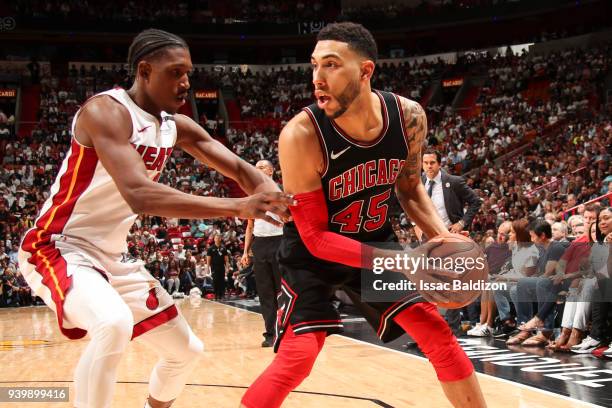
point(413, 263)
point(429, 279)
point(257, 205)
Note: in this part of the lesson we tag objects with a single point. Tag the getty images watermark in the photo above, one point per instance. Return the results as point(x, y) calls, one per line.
point(396, 274)
point(7, 23)
point(410, 264)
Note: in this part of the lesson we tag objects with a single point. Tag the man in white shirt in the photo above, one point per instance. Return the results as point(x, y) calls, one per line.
point(267, 238)
point(449, 194)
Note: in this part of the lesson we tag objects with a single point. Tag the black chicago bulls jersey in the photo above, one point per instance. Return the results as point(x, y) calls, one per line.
point(358, 178)
point(358, 182)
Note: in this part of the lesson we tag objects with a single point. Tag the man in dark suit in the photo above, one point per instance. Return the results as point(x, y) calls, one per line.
point(450, 195)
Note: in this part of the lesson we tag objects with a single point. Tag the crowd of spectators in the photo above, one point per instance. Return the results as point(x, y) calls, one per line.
point(556, 278)
point(277, 11)
point(416, 9)
point(184, 11)
point(546, 180)
point(509, 111)
point(550, 178)
point(7, 125)
point(109, 11)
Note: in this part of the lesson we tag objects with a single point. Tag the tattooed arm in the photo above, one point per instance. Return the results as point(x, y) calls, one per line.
point(409, 189)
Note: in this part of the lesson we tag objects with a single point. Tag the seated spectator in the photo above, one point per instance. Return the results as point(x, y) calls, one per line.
point(539, 288)
point(569, 269)
point(559, 232)
point(187, 274)
point(172, 274)
point(203, 278)
point(578, 303)
point(154, 267)
point(14, 290)
point(497, 254)
point(600, 260)
point(572, 222)
point(523, 262)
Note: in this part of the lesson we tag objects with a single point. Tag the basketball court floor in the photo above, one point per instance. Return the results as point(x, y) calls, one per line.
point(353, 370)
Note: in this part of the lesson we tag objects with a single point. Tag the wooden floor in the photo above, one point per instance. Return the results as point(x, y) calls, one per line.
point(32, 349)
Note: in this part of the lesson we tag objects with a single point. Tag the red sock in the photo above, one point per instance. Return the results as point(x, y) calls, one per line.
point(436, 340)
point(292, 364)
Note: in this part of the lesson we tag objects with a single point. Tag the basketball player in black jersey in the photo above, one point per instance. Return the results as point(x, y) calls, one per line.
point(342, 158)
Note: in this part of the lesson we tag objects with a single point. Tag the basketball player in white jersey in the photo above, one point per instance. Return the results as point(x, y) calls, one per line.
point(72, 258)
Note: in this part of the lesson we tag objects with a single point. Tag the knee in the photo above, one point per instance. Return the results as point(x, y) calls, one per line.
point(513, 292)
point(544, 284)
point(305, 362)
point(185, 353)
point(437, 342)
point(297, 362)
point(194, 351)
point(117, 328)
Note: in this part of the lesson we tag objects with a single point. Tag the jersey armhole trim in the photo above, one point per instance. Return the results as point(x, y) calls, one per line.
point(321, 140)
point(402, 120)
point(74, 120)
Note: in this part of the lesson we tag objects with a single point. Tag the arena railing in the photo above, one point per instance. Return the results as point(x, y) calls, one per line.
point(519, 147)
point(554, 182)
point(573, 210)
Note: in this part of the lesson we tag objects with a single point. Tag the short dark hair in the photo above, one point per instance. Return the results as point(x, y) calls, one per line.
point(149, 42)
point(434, 151)
point(358, 38)
point(540, 226)
point(591, 208)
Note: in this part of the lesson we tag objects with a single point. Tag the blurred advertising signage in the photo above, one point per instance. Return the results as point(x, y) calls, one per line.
point(452, 82)
point(206, 95)
point(8, 93)
point(310, 27)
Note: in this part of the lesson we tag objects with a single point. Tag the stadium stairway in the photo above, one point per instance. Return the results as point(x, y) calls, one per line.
point(465, 101)
point(28, 109)
point(537, 90)
point(431, 92)
point(234, 189)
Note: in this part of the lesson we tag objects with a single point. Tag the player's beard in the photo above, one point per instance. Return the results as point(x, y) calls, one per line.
point(348, 95)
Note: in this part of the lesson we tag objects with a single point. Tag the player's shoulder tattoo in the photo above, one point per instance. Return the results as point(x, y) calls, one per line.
point(415, 120)
point(416, 131)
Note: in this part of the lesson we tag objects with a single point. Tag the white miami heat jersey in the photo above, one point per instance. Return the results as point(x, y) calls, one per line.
point(85, 205)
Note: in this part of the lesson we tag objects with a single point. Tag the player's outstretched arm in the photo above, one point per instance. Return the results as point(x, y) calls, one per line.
point(409, 189)
point(196, 141)
point(105, 125)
